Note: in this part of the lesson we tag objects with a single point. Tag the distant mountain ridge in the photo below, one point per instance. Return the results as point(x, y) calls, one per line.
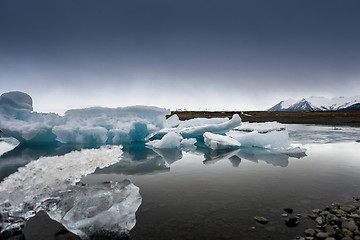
point(318, 104)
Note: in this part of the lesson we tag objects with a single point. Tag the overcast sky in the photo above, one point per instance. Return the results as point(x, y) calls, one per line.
point(215, 54)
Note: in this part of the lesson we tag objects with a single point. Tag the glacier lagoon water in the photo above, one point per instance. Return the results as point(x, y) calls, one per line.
point(207, 194)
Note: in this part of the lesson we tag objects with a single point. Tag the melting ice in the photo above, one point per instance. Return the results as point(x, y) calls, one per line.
point(49, 184)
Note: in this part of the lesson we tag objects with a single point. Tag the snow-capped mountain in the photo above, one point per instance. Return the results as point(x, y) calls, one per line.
point(318, 104)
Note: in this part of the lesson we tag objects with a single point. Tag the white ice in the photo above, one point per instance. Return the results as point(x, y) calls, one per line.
point(40, 183)
point(261, 127)
point(216, 141)
point(7, 144)
point(90, 126)
point(170, 140)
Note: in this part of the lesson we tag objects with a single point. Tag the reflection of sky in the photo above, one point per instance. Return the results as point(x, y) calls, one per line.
point(221, 197)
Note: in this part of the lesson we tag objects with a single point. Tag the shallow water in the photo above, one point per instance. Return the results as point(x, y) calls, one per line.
point(204, 194)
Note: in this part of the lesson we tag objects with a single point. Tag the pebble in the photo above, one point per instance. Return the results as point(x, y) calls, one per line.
point(321, 235)
point(292, 221)
point(261, 219)
point(309, 232)
point(288, 210)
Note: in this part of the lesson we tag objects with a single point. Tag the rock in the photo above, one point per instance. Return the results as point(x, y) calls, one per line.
point(292, 222)
point(312, 216)
point(347, 238)
point(347, 233)
point(317, 211)
point(309, 232)
point(356, 198)
point(330, 238)
point(337, 212)
point(284, 215)
point(354, 216)
point(348, 208)
point(324, 213)
point(321, 235)
point(261, 219)
point(288, 210)
point(319, 220)
point(329, 229)
point(350, 225)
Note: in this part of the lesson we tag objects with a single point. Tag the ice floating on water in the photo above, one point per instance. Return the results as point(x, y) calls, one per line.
point(170, 140)
point(173, 121)
point(273, 140)
point(195, 128)
point(38, 185)
point(216, 141)
point(7, 144)
point(90, 126)
point(261, 127)
point(99, 126)
point(102, 210)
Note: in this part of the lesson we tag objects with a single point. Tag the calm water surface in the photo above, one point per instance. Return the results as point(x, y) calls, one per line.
point(204, 194)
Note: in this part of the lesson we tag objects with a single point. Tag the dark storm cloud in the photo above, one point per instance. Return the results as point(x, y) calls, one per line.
point(230, 46)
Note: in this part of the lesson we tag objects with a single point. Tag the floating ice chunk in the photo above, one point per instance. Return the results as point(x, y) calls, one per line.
point(198, 122)
point(173, 121)
point(12, 101)
point(216, 141)
point(217, 128)
point(7, 144)
point(95, 211)
point(188, 142)
point(55, 173)
point(261, 127)
point(91, 126)
point(49, 184)
point(270, 140)
point(170, 140)
point(110, 125)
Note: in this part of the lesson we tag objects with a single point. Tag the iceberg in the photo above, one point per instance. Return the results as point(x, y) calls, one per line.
point(99, 210)
point(51, 184)
point(7, 144)
point(271, 140)
point(264, 127)
point(170, 140)
point(216, 141)
point(195, 128)
point(94, 126)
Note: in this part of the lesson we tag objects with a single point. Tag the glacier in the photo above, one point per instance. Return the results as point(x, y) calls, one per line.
point(51, 184)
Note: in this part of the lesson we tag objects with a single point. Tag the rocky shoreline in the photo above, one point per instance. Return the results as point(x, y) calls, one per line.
point(338, 221)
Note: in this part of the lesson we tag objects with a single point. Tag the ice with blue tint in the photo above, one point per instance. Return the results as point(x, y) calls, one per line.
point(50, 184)
point(98, 126)
point(91, 126)
point(195, 128)
point(216, 141)
point(170, 140)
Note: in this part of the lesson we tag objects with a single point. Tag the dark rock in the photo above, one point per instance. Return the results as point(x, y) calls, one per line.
point(288, 210)
point(312, 216)
point(321, 235)
point(292, 221)
point(309, 232)
point(261, 219)
point(348, 208)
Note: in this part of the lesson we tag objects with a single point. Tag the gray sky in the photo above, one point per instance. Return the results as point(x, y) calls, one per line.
point(215, 54)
